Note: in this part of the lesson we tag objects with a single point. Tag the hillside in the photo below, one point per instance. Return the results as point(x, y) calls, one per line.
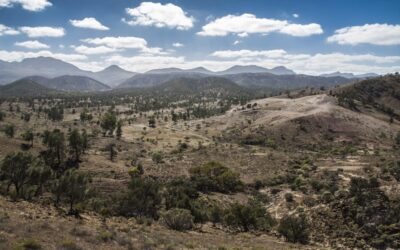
point(381, 94)
point(203, 86)
point(281, 82)
point(112, 75)
point(25, 88)
point(154, 79)
point(70, 83)
point(251, 80)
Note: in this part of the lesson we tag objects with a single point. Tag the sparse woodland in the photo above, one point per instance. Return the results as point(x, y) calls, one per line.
point(145, 168)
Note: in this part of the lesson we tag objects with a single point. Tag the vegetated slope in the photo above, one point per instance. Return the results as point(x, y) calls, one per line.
point(251, 80)
point(216, 86)
point(381, 94)
point(25, 88)
point(154, 79)
point(70, 83)
point(312, 122)
point(281, 82)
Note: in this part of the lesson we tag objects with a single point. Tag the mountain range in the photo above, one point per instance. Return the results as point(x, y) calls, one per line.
point(57, 74)
point(50, 67)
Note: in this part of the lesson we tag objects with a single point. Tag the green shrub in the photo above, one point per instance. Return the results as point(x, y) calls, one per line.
point(289, 197)
point(142, 199)
point(251, 216)
point(178, 219)
point(105, 236)
point(294, 228)
point(213, 176)
point(69, 245)
point(28, 244)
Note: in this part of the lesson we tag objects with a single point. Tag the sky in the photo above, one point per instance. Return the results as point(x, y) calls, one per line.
point(307, 36)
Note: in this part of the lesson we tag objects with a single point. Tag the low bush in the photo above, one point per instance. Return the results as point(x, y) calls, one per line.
point(178, 219)
point(294, 228)
point(213, 176)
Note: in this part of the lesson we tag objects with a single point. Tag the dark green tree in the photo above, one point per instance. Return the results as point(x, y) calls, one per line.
point(28, 136)
point(15, 170)
point(72, 186)
point(9, 130)
point(294, 228)
point(109, 122)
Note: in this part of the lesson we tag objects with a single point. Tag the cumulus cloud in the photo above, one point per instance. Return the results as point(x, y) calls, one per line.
point(119, 42)
point(295, 15)
point(5, 30)
point(31, 5)
point(43, 31)
point(143, 63)
point(248, 53)
point(125, 42)
point(32, 45)
point(88, 23)
point(177, 45)
point(376, 34)
point(159, 15)
point(311, 63)
point(93, 50)
point(246, 24)
point(11, 56)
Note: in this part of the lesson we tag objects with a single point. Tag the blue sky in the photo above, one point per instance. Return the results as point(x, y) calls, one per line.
point(307, 36)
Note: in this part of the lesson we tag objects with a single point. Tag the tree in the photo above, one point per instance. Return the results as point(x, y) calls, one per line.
point(2, 115)
point(15, 169)
point(398, 138)
point(55, 113)
point(75, 144)
point(9, 130)
point(142, 199)
point(85, 116)
point(119, 129)
point(55, 142)
point(109, 122)
point(294, 228)
point(39, 174)
point(152, 122)
point(250, 216)
point(111, 150)
point(73, 187)
point(85, 140)
point(28, 136)
point(213, 176)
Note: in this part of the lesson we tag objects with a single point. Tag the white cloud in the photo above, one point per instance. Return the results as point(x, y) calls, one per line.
point(32, 45)
point(159, 15)
point(31, 5)
point(377, 34)
point(246, 24)
point(237, 42)
point(145, 63)
point(11, 56)
point(5, 30)
point(311, 63)
point(249, 53)
point(119, 42)
point(295, 15)
point(43, 31)
point(178, 45)
point(88, 23)
point(125, 42)
point(302, 29)
point(93, 50)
